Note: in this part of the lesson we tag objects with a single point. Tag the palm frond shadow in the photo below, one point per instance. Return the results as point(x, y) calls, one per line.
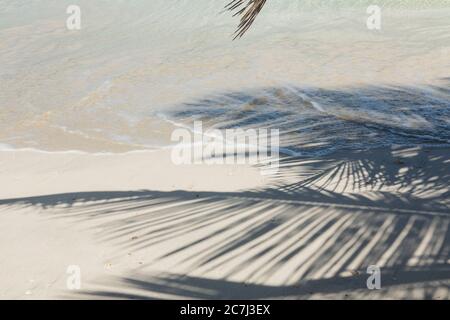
point(296, 239)
point(174, 286)
point(315, 229)
point(408, 171)
point(316, 121)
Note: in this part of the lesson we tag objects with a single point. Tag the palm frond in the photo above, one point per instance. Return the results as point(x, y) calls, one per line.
point(248, 10)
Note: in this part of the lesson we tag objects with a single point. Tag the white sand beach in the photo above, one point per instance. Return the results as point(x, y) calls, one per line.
point(92, 92)
point(140, 228)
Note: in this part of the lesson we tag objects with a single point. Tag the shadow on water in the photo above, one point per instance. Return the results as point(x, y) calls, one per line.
point(315, 121)
point(312, 232)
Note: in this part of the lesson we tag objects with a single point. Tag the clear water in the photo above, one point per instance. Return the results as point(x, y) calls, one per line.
point(139, 68)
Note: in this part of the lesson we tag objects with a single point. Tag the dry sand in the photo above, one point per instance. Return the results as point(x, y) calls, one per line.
point(139, 227)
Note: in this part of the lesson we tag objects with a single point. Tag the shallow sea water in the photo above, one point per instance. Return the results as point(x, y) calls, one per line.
point(138, 69)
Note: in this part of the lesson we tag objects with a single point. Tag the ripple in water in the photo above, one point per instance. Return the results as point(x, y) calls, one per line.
point(318, 121)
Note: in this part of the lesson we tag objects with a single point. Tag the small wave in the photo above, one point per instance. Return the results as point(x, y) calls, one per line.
point(318, 121)
point(5, 147)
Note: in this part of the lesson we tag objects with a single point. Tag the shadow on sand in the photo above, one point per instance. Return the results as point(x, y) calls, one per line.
point(285, 241)
point(311, 233)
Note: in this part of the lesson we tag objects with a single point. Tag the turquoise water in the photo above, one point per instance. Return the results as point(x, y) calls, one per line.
point(137, 69)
